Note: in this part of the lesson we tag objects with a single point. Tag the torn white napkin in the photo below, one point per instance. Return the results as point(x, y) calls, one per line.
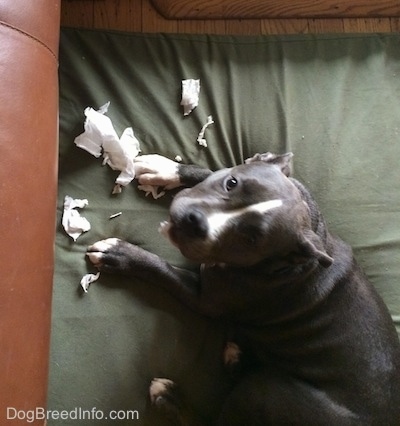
point(100, 137)
point(89, 279)
point(73, 223)
point(190, 95)
point(201, 140)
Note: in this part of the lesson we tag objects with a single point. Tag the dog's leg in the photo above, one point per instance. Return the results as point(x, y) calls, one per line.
point(154, 169)
point(267, 398)
point(117, 256)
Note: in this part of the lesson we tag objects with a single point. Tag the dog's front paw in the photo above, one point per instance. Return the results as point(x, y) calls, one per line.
point(155, 169)
point(111, 255)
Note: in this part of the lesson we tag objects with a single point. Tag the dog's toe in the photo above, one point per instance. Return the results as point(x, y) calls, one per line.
point(95, 258)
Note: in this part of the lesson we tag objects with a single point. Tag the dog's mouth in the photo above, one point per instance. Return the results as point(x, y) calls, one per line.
point(164, 229)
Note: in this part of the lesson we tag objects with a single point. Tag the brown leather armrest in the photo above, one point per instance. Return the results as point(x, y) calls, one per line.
point(29, 36)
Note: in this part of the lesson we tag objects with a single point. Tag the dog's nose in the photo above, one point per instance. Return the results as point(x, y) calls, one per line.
point(194, 223)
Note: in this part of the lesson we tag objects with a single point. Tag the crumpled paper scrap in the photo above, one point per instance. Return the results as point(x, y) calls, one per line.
point(88, 279)
point(200, 138)
point(190, 95)
point(73, 223)
point(100, 137)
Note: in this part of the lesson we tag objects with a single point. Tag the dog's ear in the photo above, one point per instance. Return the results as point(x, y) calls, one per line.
point(310, 245)
point(283, 160)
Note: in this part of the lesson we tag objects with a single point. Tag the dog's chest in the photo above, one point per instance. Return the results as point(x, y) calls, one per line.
point(247, 295)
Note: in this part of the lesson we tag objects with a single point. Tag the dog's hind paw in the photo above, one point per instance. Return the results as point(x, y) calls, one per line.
point(232, 359)
point(164, 394)
point(231, 354)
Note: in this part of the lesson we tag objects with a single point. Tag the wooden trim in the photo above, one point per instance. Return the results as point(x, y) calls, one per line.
point(251, 9)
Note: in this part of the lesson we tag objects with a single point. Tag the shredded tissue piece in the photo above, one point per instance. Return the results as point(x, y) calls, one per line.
point(190, 95)
point(73, 223)
point(113, 216)
point(200, 138)
point(89, 279)
point(153, 190)
point(100, 137)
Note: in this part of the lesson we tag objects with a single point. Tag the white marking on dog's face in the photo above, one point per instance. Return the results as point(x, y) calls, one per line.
point(217, 222)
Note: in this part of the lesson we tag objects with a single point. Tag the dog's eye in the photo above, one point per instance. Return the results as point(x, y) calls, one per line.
point(231, 183)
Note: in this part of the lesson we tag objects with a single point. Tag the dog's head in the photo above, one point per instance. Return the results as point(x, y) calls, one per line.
point(244, 215)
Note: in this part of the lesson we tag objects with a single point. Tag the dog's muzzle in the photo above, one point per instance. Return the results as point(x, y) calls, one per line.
point(191, 224)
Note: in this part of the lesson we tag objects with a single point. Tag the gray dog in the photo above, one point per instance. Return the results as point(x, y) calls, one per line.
point(313, 343)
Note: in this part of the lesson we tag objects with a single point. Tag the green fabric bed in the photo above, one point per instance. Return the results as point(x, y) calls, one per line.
point(334, 101)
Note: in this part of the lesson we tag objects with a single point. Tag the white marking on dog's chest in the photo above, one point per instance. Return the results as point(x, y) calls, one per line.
point(218, 221)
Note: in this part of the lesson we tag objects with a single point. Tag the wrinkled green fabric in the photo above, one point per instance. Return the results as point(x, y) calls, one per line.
point(334, 101)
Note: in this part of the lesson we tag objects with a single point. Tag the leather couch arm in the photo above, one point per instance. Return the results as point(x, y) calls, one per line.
point(29, 37)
